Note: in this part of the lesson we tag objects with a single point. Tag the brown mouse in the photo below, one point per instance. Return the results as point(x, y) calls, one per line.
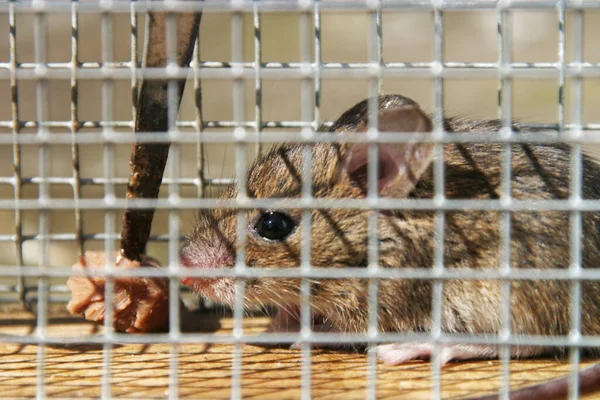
point(472, 240)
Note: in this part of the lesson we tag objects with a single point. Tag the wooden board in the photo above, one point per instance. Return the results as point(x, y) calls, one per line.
point(204, 371)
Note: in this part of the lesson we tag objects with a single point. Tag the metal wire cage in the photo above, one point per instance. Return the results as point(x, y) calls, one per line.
point(268, 72)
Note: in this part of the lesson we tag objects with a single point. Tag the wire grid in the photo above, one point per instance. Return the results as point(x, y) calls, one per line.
point(310, 71)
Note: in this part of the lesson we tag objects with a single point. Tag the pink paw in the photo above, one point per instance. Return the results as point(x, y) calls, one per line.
point(397, 353)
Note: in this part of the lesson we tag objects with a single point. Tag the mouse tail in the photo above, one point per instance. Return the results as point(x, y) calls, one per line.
point(589, 382)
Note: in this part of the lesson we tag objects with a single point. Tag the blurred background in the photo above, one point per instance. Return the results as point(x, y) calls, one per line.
point(408, 36)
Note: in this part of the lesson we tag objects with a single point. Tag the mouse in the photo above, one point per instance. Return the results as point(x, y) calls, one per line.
point(406, 237)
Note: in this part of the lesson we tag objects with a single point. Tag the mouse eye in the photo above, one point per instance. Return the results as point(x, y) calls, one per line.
point(274, 225)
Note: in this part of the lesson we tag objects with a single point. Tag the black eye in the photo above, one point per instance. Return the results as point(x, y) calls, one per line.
point(274, 225)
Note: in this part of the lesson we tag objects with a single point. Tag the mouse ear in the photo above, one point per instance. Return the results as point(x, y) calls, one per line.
point(400, 165)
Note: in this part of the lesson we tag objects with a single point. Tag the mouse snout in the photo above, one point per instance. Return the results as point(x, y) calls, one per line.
point(215, 255)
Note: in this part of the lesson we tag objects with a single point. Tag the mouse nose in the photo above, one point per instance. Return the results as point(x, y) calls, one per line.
point(185, 259)
point(209, 256)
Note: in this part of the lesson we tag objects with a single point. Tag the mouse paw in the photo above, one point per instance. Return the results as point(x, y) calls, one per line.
point(286, 320)
point(397, 353)
point(319, 325)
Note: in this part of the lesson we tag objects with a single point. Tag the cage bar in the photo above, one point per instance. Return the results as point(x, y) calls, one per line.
point(306, 106)
point(237, 56)
point(439, 197)
point(505, 32)
point(575, 179)
point(33, 6)
point(107, 49)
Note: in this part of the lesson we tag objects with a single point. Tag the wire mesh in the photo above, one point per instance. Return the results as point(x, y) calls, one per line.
point(311, 71)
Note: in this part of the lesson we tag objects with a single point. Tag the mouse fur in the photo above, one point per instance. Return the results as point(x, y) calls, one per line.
point(472, 238)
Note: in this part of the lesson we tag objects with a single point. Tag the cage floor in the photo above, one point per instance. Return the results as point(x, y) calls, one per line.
point(142, 371)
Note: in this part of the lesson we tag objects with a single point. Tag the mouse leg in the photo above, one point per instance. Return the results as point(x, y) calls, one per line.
point(287, 320)
point(321, 326)
point(397, 353)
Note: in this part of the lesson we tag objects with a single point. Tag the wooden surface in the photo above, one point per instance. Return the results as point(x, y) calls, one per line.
point(142, 371)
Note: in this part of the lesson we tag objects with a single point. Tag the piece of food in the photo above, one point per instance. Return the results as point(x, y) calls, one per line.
point(140, 304)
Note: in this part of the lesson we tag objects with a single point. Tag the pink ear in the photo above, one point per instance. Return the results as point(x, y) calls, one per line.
point(400, 165)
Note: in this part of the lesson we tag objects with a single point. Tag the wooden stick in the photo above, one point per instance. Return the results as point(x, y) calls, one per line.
point(148, 160)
